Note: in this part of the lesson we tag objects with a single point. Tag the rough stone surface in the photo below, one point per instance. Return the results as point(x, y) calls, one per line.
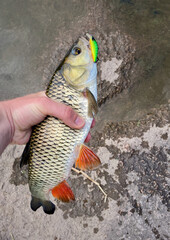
point(135, 152)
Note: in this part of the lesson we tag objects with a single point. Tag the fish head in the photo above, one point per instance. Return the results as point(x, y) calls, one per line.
point(83, 52)
point(79, 67)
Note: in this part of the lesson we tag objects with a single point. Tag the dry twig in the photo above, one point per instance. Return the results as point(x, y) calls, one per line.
point(96, 183)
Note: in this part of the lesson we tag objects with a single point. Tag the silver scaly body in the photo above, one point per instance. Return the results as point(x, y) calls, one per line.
point(53, 145)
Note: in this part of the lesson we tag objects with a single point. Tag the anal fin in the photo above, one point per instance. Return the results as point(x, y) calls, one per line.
point(63, 192)
point(87, 159)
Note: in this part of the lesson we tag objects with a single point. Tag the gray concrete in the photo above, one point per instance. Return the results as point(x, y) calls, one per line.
point(132, 133)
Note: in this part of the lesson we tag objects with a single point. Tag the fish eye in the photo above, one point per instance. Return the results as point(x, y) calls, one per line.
point(76, 51)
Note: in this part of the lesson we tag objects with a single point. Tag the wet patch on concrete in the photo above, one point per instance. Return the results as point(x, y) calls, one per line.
point(151, 169)
point(130, 128)
point(19, 176)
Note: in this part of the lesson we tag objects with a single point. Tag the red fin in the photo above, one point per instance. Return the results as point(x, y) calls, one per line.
point(87, 160)
point(63, 192)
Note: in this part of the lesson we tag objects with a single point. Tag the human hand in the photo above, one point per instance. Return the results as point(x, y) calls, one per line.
point(24, 112)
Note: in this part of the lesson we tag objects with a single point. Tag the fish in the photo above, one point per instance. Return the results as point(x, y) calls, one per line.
point(54, 147)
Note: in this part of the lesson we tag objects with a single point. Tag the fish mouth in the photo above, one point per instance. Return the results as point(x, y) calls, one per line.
point(86, 39)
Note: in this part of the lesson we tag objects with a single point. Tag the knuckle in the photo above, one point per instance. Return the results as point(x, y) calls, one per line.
point(42, 105)
point(68, 113)
point(42, 100)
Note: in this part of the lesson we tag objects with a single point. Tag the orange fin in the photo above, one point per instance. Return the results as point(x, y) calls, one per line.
point(63, 192)
point(87, 160)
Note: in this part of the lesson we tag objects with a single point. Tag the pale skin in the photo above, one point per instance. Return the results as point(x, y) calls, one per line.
point(17, 116)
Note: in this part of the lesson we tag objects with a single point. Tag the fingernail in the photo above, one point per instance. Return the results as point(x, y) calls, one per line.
point(79, 121)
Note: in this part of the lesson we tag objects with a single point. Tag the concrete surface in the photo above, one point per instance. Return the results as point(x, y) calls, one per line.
point(132, 133)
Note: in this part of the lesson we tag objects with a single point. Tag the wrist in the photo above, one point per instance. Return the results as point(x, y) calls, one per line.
point(6, 126)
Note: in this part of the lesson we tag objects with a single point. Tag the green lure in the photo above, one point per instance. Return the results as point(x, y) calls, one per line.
point(94, 48)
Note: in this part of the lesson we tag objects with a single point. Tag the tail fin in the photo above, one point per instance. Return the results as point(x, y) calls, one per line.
point(48, 206)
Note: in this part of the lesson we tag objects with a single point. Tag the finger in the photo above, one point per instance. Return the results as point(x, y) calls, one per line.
point(88, 138)
point(59, 110)
point(34, 95)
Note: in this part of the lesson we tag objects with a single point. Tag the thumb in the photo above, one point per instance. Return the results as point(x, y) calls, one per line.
point(47, 106)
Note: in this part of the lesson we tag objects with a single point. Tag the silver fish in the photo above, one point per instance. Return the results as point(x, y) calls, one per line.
point(54, 147)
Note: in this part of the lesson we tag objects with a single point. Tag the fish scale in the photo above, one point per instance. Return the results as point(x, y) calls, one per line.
point(53, 143)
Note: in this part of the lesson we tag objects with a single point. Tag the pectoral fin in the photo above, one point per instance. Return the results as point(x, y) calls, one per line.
point(87, 159)
point(92, 104)
point(63, 192)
